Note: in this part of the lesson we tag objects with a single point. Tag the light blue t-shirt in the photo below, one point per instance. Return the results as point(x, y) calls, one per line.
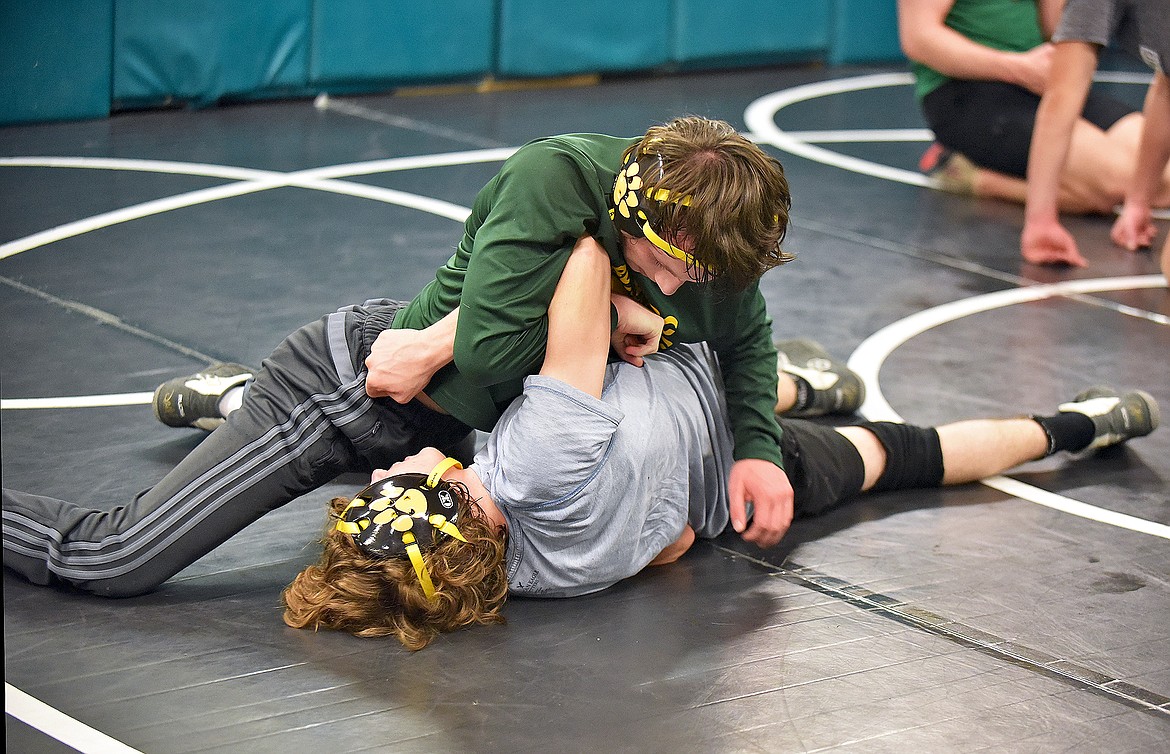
point(594, 489)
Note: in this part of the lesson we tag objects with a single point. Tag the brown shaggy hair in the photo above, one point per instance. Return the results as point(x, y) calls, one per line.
point(348, 590)
point(738, 213)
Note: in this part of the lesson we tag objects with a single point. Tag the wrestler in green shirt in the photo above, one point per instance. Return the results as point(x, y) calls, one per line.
point(522, 227)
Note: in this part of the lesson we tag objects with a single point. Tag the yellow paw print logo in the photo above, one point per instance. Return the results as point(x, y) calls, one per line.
point(625, 189)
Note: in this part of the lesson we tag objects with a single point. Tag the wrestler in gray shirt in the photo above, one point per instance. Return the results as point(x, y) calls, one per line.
point(591, 488)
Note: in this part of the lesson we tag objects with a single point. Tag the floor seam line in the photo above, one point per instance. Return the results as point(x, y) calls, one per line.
point(1019, 655)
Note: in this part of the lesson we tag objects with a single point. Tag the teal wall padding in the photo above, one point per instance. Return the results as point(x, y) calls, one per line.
point(55, 59)
point(865, 31)
point(68, 59)
point(203, 50)
point(750, 31)
point(402, 40)
point(559, 37)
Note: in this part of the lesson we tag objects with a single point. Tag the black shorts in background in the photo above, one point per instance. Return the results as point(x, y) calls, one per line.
point(991, 121)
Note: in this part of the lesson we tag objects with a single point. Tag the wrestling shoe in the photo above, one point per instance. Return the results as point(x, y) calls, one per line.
point(951, 171)
point(193, 401)
point(1117, 417)
point(834, 387)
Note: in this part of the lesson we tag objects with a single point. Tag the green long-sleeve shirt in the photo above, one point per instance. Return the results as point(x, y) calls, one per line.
point(1010, 25)
point(522, 227)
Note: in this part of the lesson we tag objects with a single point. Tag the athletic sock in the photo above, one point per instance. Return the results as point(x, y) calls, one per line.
point(232, 399)
point(1067, 430)
point(804, 393)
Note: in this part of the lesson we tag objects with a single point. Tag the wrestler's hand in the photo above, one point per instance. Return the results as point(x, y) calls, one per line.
point(1032, 68)
point(766, 487)
point(401, 363)
point(1047, 242)
point(420, 463)
point(638, 330)
point(1134, 228)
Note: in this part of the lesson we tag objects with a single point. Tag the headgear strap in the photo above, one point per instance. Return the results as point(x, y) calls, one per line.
point(382, 517)
point(635, 211)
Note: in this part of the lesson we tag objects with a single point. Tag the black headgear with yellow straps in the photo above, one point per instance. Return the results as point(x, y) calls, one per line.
point(402, 515)
point(636, 208)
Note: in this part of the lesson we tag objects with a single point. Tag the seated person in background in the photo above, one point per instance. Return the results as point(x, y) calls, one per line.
point(980, 68)
point(598, 470)
point(1143, 28)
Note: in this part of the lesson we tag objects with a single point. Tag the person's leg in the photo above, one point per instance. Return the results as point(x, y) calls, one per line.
point(281, 443)
point(300, 425)
point(991, 184)
point(955, 173)
point(787, 392)
point(961, 176)
point(822, 465)
point(971, 450)
point(1097, 168)
point(899, 456)
point(989, 124)
point(1124, 136)
point(979, 448)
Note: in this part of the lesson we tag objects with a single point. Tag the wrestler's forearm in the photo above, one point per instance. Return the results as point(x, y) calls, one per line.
point(1154, 148)
point(579, 320)
point(442, 337)
point(402, 362)
point(1055, 120)
point(926, 39)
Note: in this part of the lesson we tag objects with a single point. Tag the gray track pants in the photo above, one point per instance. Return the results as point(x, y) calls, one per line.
point(306, 419)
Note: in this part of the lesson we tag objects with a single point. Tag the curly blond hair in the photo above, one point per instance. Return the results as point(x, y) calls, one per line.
point(347, 590)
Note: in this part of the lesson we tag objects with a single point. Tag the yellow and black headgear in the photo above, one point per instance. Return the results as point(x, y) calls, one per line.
point(636, 207)
point(402, 515)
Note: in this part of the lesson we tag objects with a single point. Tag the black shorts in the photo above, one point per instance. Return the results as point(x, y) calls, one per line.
point(991, 122)
point(822, 465)
point(825, 468)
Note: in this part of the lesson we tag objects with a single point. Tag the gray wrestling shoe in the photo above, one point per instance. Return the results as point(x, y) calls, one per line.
point(1116, 416)
point(193, 401)
point(836, 389)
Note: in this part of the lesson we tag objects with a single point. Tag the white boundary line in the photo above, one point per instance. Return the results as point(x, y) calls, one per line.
point(56, 724)
point(868, 358)
point(78, 401)
point(90, 741)
point(760, 118)
point(864, 135)
point(247, 181)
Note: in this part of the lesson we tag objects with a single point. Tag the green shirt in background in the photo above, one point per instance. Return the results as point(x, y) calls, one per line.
point(1009, 25)
point(522, 226)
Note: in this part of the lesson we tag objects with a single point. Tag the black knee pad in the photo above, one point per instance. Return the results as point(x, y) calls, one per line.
point(913, 456)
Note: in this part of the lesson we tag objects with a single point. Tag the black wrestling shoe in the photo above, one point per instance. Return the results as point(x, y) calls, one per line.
point(835, 388)
point(193, 401)
point(1116, 416)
